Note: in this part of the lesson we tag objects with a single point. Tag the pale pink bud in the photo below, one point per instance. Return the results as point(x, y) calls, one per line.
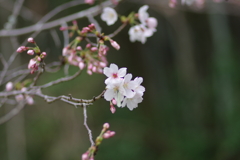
point(152, 22)
point(114, 44)
point(102, 64)
point(19, 97)
point(65, 51)
point(24, 89)
point(31, 40)
point(19, 50)
point(94, 49)
point(85, 156)
point(89, 1)
point(29, 100)
point(30, 52)
point(94, 69)
point(79, 48)
point(44, 54)
point(91, 26)
point(106, 125)
point(90, 66)
point(106, 135)
point(91, 158)
point(88, 45)
point(114, 101)
point(63, 28)
point(100, 70)
point(9, 86)
point(81, 65)
point(89, 72)
point(31, 63)
point(39, 59)
point(112, 133)
point(112, 109)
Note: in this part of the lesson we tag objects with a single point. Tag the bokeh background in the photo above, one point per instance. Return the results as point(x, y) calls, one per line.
point(191, 107)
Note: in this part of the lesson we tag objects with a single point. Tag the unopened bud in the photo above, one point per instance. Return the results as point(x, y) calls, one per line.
point(112, 109)
point(94, 49)
point(30, 40)
point(44, 54)
point(89, 1)
point(81, 65)
point(88, 45)
point(79, 48)
point(106, 125)
point(115, 44)
point(9, 86)
point(85, 156)
point(30, 52)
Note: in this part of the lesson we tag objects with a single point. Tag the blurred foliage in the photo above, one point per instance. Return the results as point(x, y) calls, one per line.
point(191, 105)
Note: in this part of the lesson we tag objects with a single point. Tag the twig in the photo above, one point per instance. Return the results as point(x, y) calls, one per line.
point(40, 26)
point(12, 113)
point(118, 30)
point(86, 125)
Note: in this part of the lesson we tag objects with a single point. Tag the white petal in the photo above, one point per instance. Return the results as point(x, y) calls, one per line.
point(122, 72)
point(109, 94)
point(114, 67)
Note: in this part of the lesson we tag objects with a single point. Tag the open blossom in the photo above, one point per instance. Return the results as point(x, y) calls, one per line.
point(121, 88)
point(109, 15)
point(139, 33)
point(113, 73)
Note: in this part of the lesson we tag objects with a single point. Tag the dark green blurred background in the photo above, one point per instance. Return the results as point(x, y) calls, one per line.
point(191, 107)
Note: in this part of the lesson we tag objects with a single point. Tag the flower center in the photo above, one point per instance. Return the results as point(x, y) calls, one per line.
point(115, 75)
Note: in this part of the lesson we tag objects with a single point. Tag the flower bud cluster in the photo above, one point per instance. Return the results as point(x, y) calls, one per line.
point(144, 30)
point(120, 89)
point(105, 134)
point(34, 62)
point(20, 97)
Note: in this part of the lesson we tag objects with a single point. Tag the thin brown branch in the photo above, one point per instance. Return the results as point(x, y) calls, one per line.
point(118, 30)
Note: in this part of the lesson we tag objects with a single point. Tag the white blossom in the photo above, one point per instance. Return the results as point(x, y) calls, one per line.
point(139, 33)
point(121, 88)
point(109, 15)
point(113, 73)
point(142, 14)
point(9, 86)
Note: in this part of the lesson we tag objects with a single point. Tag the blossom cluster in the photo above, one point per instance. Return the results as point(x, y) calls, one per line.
point(145, 29)
point(121, 89)
point(37, 60)
point(105, 134)
point(20, 97)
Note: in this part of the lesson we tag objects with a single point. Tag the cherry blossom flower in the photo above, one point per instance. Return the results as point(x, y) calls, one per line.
point(121, 90)
point(109, 15)
point(113, 73)
point(139, 33)
point(142, 14)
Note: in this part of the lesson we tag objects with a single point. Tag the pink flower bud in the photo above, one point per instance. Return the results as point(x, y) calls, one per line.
point(39, 59)
point(79, 48)
point(24, 89)
point(106, 125)
point(89, 1)
point(106, 135)
point(9, 86)
point(30, 52)
point(102, 64)
point(90, 66)
point(31, 40)
point(81, 65)
point(152, 22)
point(94, 69)
point(85, 156)
point(29, 100)
point(19, 50)
point(19, 97)
point(91, 26)
point(63, 28)
point(44, 54)
point(88, 45)
point(65, 51)
point(112, 133)
point(89, 72)
point(114, 101)
point(31, 63)
point(172, 3)
point(114, 44)
point(112, 109)
point(91, 158)
point(94, 49)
